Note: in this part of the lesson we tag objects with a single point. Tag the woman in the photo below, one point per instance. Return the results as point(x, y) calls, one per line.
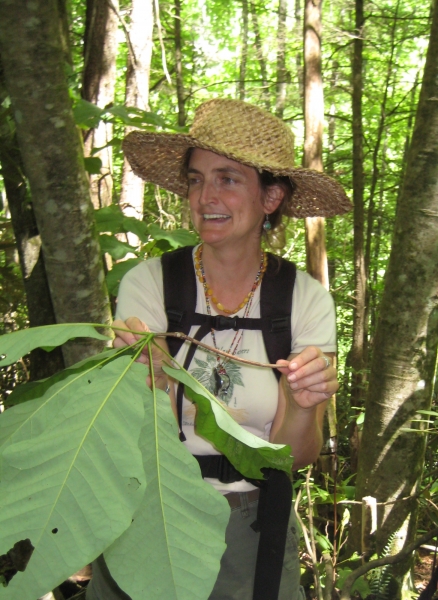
point(236, 168)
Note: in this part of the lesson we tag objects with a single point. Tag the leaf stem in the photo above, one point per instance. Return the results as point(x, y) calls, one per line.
point(187, 338)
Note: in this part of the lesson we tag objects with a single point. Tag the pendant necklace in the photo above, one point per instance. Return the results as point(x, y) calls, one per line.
point(221, 378)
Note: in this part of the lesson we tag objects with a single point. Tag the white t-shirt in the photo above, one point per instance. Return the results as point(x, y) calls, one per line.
point(252, 396)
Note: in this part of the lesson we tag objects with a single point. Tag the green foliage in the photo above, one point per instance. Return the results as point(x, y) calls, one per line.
point(17, 344)
point(247, 452)
point(91, 462)
point(380, 578)
point(111, 223)
point(360, 586)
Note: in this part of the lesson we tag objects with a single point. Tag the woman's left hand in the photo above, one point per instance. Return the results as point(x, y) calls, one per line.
point(310, 376)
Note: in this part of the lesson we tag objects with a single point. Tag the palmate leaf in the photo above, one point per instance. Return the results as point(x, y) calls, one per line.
point(247, 452)
point(18, 343)
point(180, 526)
point(72, 473)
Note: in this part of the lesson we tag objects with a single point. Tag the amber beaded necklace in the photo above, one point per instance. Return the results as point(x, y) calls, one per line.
point(199, 268)
point(221, 377)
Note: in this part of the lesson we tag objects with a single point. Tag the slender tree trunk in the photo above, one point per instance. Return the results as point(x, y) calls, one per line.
point(243, 50)
point(51, 149)
point(316, 255)
point(182, 117)
point(137, 95)
point(281, 59)
point(260, 55)
point(298, 11)
point(405, 353)
point(100, 50)
point(180, 94)
point(65, 33)
point(357, 349)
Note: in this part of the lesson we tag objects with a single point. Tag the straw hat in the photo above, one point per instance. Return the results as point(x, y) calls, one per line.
point(244, 133)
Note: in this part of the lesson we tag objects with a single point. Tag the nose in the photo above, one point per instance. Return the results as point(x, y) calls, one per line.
point(206, 192)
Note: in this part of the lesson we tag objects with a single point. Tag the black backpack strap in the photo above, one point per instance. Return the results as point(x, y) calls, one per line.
point(275, 308)
point(275, 505)
point(179, 285)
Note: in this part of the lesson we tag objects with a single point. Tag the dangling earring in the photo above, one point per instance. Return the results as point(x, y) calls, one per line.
point(267, 225)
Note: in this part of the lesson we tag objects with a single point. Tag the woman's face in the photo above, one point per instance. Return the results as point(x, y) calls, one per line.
point(226, 201)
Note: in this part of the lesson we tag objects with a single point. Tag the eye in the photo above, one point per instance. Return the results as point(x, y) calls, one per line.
point(192, 180)
point(228, 180)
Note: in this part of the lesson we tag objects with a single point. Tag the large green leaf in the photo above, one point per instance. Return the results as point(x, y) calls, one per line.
point(130, 115)
point(115, 248)
point(72, 473)
point(18, 343)
point(109, 219)
point(180, 526)
point(86, 114)
point(139, 228)
point(247, 452)
point(176, 238)
point(93, 165)
point(36, 389)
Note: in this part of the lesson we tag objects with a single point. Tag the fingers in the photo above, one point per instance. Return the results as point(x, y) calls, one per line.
point(310, 370)
point(124, 337)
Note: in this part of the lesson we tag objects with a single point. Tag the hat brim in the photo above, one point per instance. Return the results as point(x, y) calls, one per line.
point(157, 158)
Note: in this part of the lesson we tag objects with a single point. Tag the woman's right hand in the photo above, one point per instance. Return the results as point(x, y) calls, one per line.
point(127, 338)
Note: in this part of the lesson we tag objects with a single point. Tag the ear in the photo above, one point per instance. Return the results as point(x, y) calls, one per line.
point(273, 199)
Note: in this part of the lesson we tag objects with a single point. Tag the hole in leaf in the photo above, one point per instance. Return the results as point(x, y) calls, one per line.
point(15, 559)
point(55, 530)
point(2, 356)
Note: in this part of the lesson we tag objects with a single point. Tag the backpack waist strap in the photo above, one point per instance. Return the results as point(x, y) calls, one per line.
point(273, 514)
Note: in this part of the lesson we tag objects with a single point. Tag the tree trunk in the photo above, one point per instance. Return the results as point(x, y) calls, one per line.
point(281, 59)
point(65, 33)
point(182, 117)
point(38, 300)
point(100, 50)
point(357, 348)
point(298, 11)
point(405, 354)
point(316, 255)
point(137, 95)
point(178, 66)
point(260, 56)
point(243, 50)
point(51, 150)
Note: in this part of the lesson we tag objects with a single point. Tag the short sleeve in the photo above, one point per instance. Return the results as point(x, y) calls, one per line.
point(313, 315)
point(141, 295)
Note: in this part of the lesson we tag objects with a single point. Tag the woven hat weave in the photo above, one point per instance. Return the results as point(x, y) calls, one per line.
point(244, 133)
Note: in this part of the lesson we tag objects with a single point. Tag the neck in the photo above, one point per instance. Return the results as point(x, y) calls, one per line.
point(223, 266)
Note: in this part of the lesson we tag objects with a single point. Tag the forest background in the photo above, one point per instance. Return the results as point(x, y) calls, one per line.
point(110, 66)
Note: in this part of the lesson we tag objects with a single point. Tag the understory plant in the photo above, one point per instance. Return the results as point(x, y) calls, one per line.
point(91, 463)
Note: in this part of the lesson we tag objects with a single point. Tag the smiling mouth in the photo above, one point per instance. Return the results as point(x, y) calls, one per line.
point(215, 217)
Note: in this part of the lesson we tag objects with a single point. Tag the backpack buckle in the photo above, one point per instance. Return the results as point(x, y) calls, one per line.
point(220, 323)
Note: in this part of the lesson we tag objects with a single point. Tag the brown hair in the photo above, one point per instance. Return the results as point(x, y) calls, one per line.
point(267, 179)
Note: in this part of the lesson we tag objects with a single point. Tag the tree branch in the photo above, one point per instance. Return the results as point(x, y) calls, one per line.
point(187, 338)
point(380, 562)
